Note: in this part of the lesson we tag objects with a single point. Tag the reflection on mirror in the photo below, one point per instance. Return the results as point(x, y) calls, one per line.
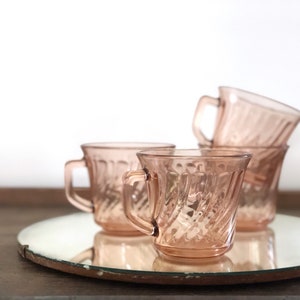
point(85, 245)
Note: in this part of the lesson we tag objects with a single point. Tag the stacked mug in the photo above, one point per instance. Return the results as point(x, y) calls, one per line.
point(261, 126)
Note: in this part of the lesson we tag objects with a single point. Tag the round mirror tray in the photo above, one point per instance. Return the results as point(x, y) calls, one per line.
point(75, 244)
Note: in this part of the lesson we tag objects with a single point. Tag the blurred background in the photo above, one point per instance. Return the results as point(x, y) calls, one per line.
point(73, 72)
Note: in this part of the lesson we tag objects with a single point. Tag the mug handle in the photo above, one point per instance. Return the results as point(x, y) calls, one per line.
point(76, 200)
point(129, 179)
point(202, 103)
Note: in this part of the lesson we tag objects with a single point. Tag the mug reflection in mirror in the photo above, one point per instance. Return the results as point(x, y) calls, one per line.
point(129, 253)
point(254, 251)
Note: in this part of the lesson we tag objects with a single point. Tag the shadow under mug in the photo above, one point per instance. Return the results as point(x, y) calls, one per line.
point(245, 118)
point(106, 163)
point(193, 198)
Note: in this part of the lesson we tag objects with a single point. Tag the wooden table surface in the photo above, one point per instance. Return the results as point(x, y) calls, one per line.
point(20, 278)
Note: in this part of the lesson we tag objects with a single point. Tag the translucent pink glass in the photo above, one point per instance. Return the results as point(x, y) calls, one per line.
point(193, 196)
point(106, 163)
point(258, 199)
point(246, 119)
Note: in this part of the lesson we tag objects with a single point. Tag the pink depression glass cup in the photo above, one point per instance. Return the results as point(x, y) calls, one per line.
point(258, 198)
point(106, 163)
point(193, 198)
point(245, 118)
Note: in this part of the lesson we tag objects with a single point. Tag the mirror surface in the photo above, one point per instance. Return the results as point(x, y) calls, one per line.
point(75, 244)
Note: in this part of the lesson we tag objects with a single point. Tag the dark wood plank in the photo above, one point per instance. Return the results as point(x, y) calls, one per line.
point(34, 196)
point(56, 196)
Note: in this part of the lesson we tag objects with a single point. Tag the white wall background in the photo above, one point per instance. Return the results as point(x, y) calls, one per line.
point(83, 71)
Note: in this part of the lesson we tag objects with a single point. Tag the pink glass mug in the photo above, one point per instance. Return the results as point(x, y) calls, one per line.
point(193, 198)
point(245, 118)
point(106, 163)
point(258, 198)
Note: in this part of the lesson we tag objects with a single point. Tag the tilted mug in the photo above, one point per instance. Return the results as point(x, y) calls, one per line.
point(245, 119)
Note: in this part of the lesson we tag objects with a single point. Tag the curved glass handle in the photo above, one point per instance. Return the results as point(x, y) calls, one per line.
point(198, 115)
point(76, 200)
point(148, 227)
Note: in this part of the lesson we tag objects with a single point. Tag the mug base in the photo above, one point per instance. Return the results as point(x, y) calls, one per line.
point(108, 231)
point(120, 228)
point(252, 225)
point(190, 255)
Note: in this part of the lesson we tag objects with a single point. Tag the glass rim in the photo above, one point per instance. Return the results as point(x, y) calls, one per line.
point(288, 108)
point(194, 153)
point(243, 148)
point(127, 145)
